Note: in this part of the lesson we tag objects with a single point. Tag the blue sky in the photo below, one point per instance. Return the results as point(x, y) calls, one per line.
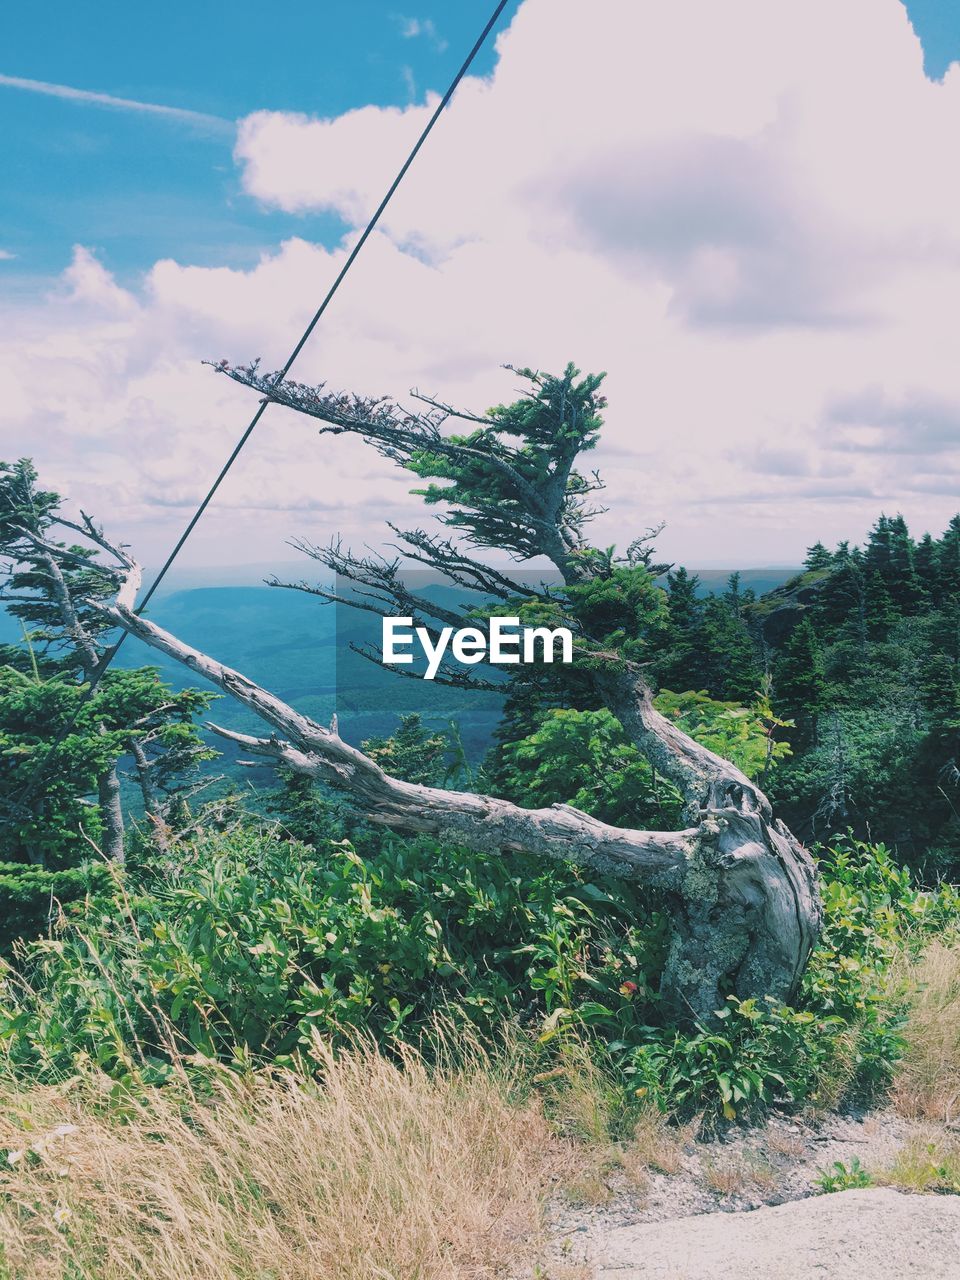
point(746, 212)
point(136, 187)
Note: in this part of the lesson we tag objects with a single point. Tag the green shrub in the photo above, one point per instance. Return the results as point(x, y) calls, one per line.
point(843, 1179)
point(261, 940)
point(33, 899)
point(844, 1037)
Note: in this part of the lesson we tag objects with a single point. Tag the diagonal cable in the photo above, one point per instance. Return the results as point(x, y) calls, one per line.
point(111, 653)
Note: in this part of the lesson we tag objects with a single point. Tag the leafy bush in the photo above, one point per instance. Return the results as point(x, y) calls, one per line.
point(846, 1034)
point(743, 734)
point(585, 759)
point(260, 942)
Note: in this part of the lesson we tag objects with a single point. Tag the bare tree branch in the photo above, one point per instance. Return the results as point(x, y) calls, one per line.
point(484, 823)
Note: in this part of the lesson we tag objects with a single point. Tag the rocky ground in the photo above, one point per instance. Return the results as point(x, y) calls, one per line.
point(750, 1206)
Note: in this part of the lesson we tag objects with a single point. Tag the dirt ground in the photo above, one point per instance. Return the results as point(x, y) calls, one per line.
point(748, 1207)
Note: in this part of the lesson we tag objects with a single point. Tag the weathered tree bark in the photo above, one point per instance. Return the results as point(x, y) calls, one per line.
point(746, 907)
point(748, 911)
point(151, 801)
point(111, 814)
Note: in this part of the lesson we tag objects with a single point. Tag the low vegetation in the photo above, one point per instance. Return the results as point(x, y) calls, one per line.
point(927, 1082)
point(204, 1077)
point(366, 1167)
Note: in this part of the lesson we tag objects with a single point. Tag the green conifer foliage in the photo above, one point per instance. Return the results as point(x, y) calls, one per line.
point(948, 559)
point(799, 682)
point(818, 557)
point(925, 560)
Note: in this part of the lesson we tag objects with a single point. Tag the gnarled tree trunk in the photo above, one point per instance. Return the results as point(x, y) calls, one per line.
point(746, 911)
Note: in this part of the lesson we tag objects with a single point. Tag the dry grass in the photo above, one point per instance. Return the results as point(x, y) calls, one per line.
point(779, 1143)
point(599, 1176)
point(382, 1173)
point(927, 1084)
point(604, 1169)
point(616, 1149)
point(927, 1162)
point(580, 1100)
point(741, 1175)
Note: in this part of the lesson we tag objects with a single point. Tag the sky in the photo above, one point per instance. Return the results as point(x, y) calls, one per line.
point(747, 213)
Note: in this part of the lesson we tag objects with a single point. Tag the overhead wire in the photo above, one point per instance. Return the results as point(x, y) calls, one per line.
point(110, 654)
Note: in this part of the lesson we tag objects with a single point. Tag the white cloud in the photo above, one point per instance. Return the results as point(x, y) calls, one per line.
point(71, 94)
point(411, 28)
point(747, 213)
point(6, 255)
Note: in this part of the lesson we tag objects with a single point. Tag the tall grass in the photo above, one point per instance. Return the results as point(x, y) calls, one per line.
point(382, 1171)
point(927, 1081)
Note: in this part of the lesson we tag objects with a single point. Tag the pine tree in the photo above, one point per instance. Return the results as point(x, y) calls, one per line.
point(413, 752)
point(684, 603)
point(940, 690)
point(925, 560)
point(49, 728)
point(509, 482)
point(904, 585)
point(839, 610)
point(799, 682)
point(948, 559)
point(729, 657)
point(889, 555)
point(737, 597)
point(879, 609)
point(842, 553)
point(818, 557)
point(681, 664)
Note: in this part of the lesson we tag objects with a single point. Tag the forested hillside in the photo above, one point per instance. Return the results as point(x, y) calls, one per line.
point(861, 655)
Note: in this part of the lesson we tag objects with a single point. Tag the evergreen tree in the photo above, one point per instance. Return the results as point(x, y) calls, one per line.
point(49, 728)
point(879, 609)
point(818, 557)
point(948, 559)
point(799, 682)
point(681, 663)
point(731, 670)
point(890, 556)
point(925, 561)
point(840, 606)
point(736, 597)
point(842, 553)
point(940, 688)
point(413, 753)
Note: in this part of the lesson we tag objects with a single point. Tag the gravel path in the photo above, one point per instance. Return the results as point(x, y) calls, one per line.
point(877, 1234)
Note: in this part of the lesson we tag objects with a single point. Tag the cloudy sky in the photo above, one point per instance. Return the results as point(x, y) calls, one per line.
point(748, 212)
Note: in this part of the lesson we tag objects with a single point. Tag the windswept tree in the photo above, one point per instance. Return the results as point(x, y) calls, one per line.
point(741, 889)
point(60, 749)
